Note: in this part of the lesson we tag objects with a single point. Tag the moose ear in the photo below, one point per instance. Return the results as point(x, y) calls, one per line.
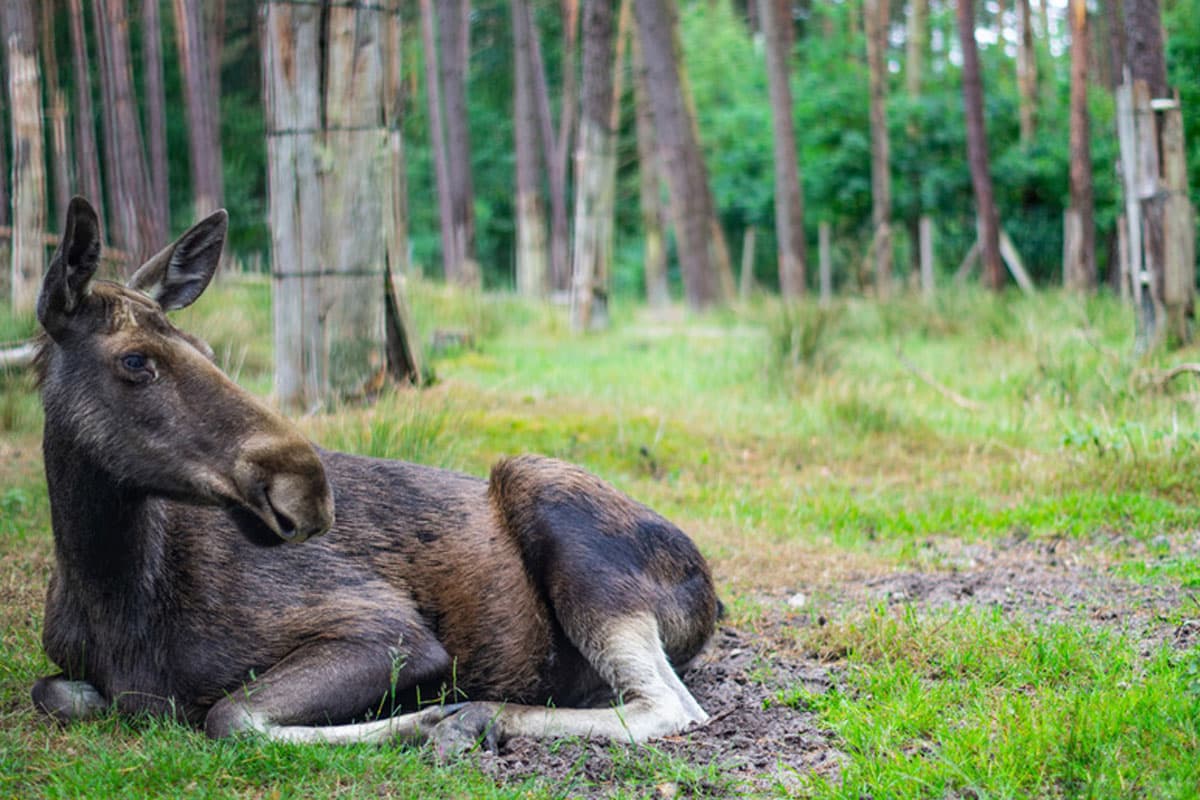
point(72, 267)
point(180, 272)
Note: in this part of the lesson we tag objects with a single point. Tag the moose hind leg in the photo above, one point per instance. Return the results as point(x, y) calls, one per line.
point(652, 701)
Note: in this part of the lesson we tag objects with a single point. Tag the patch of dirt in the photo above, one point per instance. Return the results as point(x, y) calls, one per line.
point(758, 745)
point(752, 743)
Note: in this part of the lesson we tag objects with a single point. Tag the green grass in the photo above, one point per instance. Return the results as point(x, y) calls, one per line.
point(801, 447)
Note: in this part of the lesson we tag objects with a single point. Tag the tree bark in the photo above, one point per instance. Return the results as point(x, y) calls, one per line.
point(654, 252)
point(291, 73)
point(682, 161)
point(56, 114)
point(1080, 269)
point(593, 163)
point(453, 57)
point(876, 21)
point(531, 213)
point(28, 164)
point(204, 141)
point(87, 158)
point(156, 114)
point(134, 227)
point(556, 145)
point(1026, 73)
point(789, 199)
point(988, 223)
point(917, 42)
point(437, 137)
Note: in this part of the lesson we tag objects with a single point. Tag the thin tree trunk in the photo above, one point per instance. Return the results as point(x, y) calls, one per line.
point(654, 253)
point(1026, 73)
point(531, 213)
point(433, 92)
point(988, 223)
point(1080, 270)
point(291, 73)
point(556, 146)
point(199, 97)
point(453, 29)
point(134, 228)
point(28, 167)
point(56, 115)
point(596, 152)
point(156, 115)
point(87, 158)
point(876, 19)
point(682, 161)
point(917, 42)
point(789, 200)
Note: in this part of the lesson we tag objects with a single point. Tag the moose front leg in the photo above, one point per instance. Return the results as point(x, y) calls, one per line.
point(298, 698)
point(66, 700)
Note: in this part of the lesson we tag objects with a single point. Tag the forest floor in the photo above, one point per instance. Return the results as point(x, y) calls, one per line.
point(959, 547)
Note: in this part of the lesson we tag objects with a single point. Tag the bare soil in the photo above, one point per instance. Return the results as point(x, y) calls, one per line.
point(756, 745)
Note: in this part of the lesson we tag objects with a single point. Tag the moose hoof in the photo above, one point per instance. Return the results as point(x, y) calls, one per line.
point(475, 726)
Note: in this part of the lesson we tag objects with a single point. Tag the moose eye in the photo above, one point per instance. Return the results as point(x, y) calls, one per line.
point(134, 362)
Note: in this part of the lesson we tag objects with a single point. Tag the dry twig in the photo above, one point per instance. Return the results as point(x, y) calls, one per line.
point(951, 395)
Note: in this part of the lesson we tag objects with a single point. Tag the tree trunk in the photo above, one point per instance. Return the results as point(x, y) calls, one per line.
point(87, 158)
point(60, 157)
point(28, 164)
point(437, 137)
point(134, 226)
point(594, 160)
point(876, 22)
point(654, 253)
point(352, 200)
point(789, 200)
point(1080, 269)
point(1026, 73)
point(291, 73)
point(988, 223)
point(531, 212)
point(453, 57)
point(556, 145)
point(682, 161)
point(156, 115)
point(917, 42)
point(200, 100)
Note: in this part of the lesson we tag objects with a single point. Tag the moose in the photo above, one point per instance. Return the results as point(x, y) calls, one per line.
point(213, 565)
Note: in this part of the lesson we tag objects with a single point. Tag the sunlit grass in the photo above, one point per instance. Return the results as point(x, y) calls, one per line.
point(800, 446)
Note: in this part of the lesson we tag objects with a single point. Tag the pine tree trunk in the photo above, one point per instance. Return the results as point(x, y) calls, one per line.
point(28, 167)
point(594, 159)
point(988, 223)
point(654, 254)
point(1080, 269)
point(156, 115)
point(87, 158)
point(453, 29)
point(200, 102)
point(451, 259)
point(789, 200)
point(531, 259)
point(876, 18)
point(1026, 72)
point(133, 227)
point(56, 116)
point(682, 162)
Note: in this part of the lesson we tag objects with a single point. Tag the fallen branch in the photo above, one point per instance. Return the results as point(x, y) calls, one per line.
point(928, 380)
point(1163, 379)
point(18, 356)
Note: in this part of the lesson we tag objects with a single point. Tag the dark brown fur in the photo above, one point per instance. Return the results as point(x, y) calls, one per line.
point(172, 492)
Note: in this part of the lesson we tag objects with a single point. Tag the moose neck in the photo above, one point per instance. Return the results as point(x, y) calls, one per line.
point(104, 534)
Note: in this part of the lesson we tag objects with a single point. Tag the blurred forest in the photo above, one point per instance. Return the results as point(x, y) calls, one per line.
point(724, 68)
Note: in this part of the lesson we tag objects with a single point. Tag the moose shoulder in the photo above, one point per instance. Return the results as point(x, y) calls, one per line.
point(550, 601)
